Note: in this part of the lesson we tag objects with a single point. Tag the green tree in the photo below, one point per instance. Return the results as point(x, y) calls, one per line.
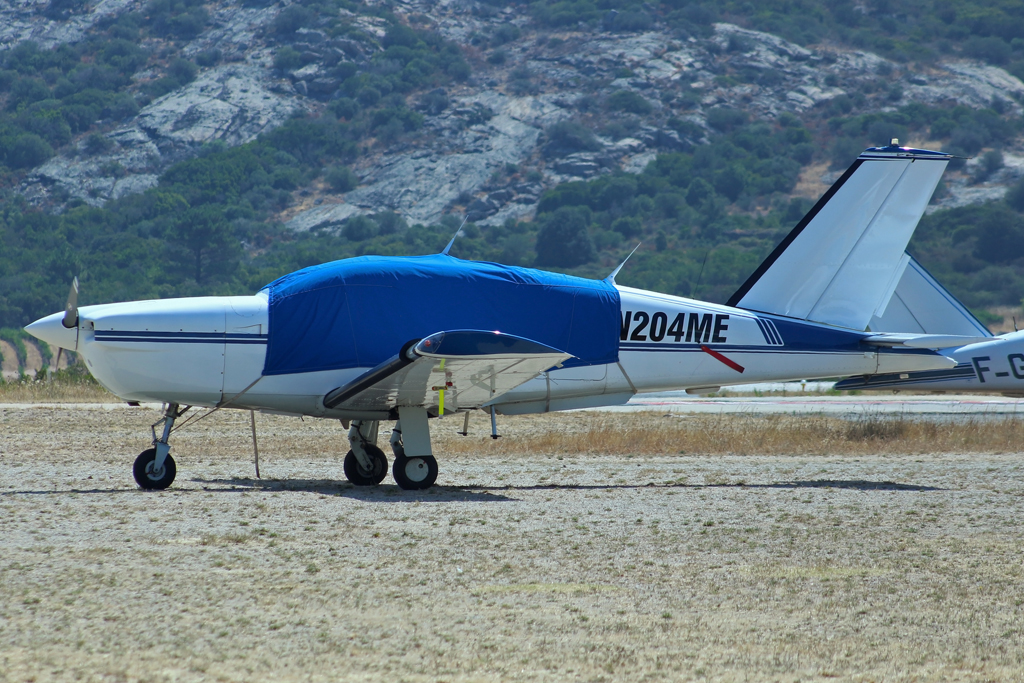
point(563, 239)
point(206, 237)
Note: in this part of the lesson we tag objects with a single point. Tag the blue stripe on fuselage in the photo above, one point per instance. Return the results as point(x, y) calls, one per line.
point(167, 337)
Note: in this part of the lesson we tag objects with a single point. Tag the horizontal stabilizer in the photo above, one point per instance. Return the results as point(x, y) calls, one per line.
point(842, 261)
point(922, 341)
point(921, 304)
point(448, 371)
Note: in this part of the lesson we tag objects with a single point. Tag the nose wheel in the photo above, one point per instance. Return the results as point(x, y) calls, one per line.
point(359, 475)
point(415, 473)
point(148, 475)
point(154, 469)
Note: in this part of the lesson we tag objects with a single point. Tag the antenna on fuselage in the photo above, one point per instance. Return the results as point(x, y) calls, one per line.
point(611, 278)
point(457, 233)
point(696, 287)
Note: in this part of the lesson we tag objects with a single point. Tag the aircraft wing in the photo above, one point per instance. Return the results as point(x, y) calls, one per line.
point(448, 371)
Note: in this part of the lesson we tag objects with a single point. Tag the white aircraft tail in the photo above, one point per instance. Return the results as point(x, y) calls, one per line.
point(843, 260)
point(920, 304)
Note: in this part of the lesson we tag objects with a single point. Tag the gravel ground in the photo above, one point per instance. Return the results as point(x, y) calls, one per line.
point(594, 568)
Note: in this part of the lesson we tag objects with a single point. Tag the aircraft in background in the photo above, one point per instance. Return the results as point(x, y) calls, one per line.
point(921, 305)
point(411, 338)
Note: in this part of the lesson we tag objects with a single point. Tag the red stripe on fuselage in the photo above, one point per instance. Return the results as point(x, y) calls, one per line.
point(719, 357)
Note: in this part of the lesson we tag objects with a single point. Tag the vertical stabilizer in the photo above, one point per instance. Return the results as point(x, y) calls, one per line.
point(920, 304)
point(839, 263)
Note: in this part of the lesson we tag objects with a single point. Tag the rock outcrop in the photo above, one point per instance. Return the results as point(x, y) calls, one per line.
point(27, 20)
point(230, 103)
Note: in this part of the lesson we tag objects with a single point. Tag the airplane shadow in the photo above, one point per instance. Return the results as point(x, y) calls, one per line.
point(468, 493)
point(856, 484)
point(330, 487)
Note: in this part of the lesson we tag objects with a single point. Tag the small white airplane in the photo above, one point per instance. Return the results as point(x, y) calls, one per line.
point(410, 338)
point(921, 305)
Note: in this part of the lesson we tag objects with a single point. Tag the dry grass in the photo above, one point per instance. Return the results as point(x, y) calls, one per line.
point(651, 434)
point(54, 392)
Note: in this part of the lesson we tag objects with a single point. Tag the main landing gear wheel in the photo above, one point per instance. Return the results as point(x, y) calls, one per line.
point(415, 473)
point(149, 478)
point(361, 477)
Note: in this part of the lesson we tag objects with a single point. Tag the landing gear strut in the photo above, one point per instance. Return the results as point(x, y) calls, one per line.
point(365, 464)
point(154, 469)
point(415, 467)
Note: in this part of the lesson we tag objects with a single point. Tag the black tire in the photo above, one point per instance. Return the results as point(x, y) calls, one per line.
point(415, 473)
point(360, 477)
point(144, 475)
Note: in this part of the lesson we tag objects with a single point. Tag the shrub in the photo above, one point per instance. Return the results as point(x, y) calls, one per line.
point(390, 223)
point(629, 101)
point(505, 33)
point(572, 136)
point(1015, 196)
point(287, 59)
point(725, 119)
point(344, 108)
point(182, 71)
point(368, 96)
point(180, 18)
point(29, 150)
point(434, 102)
point(209, 58)
point(458, 69)
point(291, 19)
point(699, 192)
point(399, 35)
point(632, 21)
point(1000, 236)
point(341, 179)
point(96, 143)
point(359, 228)
point(991, 49)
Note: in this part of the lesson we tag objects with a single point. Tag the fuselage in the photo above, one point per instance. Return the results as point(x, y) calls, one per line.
point(211, 351)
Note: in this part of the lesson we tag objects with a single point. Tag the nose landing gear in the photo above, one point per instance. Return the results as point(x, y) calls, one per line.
point(365, 464)
point(154, 469)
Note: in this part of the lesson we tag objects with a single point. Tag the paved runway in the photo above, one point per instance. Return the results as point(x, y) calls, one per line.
point(806, 403)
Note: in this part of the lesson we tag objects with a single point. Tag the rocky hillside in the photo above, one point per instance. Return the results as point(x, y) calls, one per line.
point(625, 86)
point(357, 120)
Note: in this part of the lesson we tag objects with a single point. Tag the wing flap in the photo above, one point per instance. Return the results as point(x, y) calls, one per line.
point(461, 369)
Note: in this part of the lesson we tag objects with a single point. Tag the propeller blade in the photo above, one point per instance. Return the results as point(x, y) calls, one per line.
point(71, 309)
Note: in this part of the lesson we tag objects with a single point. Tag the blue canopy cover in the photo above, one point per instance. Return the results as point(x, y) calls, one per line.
point(359, 312)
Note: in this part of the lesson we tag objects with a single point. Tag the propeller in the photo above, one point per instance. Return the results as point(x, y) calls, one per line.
point(70, 318)
point(71, 308)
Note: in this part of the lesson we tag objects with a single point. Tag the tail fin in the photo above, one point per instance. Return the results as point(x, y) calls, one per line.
point(920, 304)
point(841, 262)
